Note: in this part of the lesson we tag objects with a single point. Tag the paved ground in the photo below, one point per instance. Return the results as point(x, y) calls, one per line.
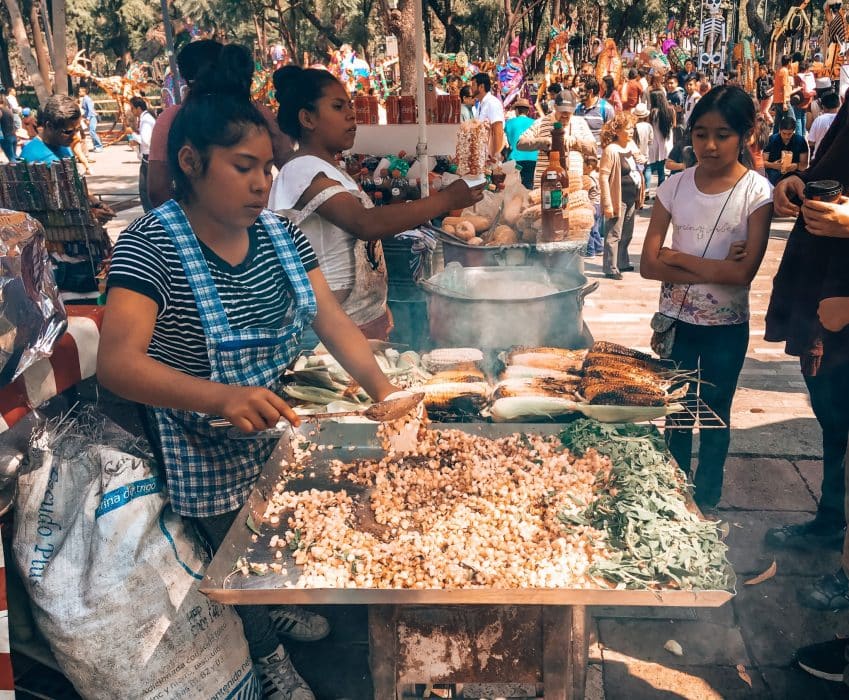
point(772, 478)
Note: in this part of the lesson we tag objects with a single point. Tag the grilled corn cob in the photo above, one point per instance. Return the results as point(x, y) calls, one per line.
point(518, 371)
point(548, 358)
point(448, 397)
point(539, 386)
point(609, 348)
point(464, 376)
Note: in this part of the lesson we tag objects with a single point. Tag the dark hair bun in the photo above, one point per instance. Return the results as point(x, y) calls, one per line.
point(286, 78)
point(229, 74)
point(296, 89)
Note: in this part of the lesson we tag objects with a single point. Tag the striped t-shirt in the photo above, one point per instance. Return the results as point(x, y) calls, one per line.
point(255, 293)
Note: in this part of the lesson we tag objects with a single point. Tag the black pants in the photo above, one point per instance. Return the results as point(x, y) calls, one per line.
point(147, 205)
point(719, 351)
point(829, 393)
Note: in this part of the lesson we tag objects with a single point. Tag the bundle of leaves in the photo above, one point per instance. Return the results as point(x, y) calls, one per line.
point(657, 540)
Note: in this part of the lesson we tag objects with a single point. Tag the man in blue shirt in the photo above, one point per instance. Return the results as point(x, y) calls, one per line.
point(513, 130)
point(60, 119)
point(90, 115)
point(596, 111)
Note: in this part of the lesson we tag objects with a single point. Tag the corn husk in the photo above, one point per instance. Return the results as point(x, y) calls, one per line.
point(449, 358)
point(314, 394)
point(515, 408)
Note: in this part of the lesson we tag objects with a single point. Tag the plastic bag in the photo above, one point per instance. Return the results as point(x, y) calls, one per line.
point(113, 574)
point(32, 317)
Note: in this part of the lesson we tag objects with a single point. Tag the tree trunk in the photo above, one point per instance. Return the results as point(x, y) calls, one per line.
point(445, 14)
point(39, 44)
point(288, 39)
point(5, 66)
point(60, 66)
point(406, 26)
point(19, 31)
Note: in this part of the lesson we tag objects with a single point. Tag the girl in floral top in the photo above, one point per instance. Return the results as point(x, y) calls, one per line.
point(720, 213)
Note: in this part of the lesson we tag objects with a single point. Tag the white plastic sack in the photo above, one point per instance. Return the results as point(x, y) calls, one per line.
point(113, 574)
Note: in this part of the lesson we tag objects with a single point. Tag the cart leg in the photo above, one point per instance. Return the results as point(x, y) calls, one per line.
point(382, 654)
point(578, 651)
point(556, 637)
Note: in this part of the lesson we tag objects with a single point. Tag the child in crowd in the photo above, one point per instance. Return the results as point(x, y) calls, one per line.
point(720, 213)
point(595, 243)
point(334, 213)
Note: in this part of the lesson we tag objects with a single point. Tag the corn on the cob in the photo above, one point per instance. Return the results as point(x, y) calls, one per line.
point(518, 371)
point(609, 348)
point(450, 358)
point(603, 358)
point(465, 376)
point(539, 386)
point(511, 408)
point(550, 358)
point(455, 396)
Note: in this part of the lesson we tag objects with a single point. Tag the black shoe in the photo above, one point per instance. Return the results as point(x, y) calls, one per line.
point(613, 275)
point(829, 592)
point(825, 660)
point(806, 535)
point(626, 268)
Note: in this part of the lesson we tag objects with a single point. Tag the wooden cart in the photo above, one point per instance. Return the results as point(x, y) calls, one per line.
point(533, 637)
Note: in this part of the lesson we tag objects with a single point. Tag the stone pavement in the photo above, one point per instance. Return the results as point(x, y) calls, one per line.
point(772, 477)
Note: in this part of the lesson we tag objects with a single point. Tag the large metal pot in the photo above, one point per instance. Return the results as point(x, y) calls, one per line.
point(499, 307)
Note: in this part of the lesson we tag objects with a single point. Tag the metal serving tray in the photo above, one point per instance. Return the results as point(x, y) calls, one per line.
point(224, 584)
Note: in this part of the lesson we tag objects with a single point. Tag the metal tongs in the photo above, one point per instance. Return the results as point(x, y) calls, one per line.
point(381, 412)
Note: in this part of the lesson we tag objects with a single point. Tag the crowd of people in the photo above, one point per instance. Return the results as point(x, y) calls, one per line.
point(232, 268)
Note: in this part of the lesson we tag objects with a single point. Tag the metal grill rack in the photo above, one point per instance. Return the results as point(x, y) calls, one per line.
point(697, 415)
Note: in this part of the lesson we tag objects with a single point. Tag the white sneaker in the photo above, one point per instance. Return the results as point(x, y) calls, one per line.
point(280, 680)
point(299, 624)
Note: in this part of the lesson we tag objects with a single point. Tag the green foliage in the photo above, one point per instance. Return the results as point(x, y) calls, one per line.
point(111, 26)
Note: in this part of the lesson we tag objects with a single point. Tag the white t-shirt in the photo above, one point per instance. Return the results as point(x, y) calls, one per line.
point(489, 109)
point(818, 129)
point(694, 214)
point(146, 123)
point(660, 147)
point(333, 246)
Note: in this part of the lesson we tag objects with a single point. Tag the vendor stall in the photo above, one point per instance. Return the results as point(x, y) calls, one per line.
point(432, 621)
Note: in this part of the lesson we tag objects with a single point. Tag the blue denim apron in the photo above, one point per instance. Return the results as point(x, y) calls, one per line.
point(209, 474)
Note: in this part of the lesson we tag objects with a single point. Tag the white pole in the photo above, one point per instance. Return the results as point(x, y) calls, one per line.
point(421, 146)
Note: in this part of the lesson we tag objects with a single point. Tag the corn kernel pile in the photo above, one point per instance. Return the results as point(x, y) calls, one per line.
point(459, 511)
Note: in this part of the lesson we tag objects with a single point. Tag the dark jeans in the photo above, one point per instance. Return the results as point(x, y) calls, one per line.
point(10, 147)
point(147, 205)
point(527, 172)
point(829, 393)
point(719, 351)
point(262, 639)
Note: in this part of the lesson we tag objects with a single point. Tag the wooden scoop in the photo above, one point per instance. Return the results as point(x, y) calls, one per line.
point(382, 412)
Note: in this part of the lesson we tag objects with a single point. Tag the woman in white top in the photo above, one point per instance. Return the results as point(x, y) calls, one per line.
point(662, 119)
point(720, 213)
point(329, 207)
